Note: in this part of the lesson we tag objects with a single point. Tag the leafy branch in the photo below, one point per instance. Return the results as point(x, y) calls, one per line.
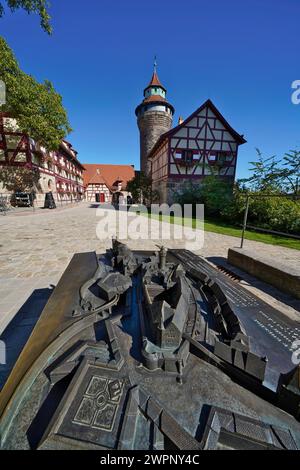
point(39, 7)
point(37, 106)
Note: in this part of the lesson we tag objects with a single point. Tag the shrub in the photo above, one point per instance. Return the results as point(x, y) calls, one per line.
point(277, 213)
point(281, 214)
point(213, 192)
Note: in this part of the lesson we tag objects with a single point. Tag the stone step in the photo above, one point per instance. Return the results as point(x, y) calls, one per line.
point(273, 271)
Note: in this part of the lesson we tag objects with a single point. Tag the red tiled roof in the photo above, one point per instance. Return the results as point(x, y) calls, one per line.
point(107, 173)
point(97, 179)
point(155, 82)
point(119, 179)
point(154, 98)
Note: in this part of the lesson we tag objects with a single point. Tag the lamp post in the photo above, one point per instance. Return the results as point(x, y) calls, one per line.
point(245, 220)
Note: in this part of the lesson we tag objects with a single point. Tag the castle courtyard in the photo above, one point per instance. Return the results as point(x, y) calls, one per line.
point(35, 249)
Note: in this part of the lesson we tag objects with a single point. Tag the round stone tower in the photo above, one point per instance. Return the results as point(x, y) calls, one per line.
point(154, 117)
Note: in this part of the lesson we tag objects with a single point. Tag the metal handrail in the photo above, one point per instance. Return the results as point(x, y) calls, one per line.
point(245, 225)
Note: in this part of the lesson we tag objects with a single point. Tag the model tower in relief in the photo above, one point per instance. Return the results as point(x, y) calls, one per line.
point(154, 117)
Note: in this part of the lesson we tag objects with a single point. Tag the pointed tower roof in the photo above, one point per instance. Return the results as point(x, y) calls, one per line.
point(154, 95)
point(155, 81)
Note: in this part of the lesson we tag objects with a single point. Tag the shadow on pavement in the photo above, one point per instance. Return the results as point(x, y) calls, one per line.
point(19, 329)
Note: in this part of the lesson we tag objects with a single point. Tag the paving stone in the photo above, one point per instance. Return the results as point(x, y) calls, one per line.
point(35, 250)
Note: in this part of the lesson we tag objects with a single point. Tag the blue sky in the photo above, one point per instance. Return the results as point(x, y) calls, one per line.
point(243, 55)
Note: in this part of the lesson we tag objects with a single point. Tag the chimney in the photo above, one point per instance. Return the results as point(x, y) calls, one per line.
point(180, 120)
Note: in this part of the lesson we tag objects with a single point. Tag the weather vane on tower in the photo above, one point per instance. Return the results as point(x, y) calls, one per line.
point(155, 64)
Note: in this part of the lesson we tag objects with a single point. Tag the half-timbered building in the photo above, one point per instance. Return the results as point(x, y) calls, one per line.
point(107, 183)
point(201, 145)
point(204, 144)
point(59, 171)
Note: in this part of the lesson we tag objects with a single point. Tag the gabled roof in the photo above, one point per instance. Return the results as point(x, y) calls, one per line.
point(208, 103)
point(107, 174)
point(97, 179)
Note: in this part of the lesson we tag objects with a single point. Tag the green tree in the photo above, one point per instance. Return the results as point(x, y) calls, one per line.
point(266, 174)
point(140, 188)
point(23, 179)
point(233, 211)
point(268, 209)
point(31, 6)
point(216, 193)
point(212, 191)
point(291, 172)
point(271, 174)
point(188, 193)
point(37, 106)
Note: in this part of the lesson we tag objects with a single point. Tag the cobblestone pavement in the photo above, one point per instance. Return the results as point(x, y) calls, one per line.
point(36, 248)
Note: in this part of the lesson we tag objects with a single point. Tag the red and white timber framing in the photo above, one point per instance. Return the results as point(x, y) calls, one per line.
point(60, 171)
point(98, 193)
point(190, 150)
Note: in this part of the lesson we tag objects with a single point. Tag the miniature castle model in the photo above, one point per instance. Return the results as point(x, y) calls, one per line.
point(139, 352)
point(201, 145)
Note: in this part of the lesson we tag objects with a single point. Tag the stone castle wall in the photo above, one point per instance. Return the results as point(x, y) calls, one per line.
point(166, 188)
point(161, 188)
point(152, 124)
